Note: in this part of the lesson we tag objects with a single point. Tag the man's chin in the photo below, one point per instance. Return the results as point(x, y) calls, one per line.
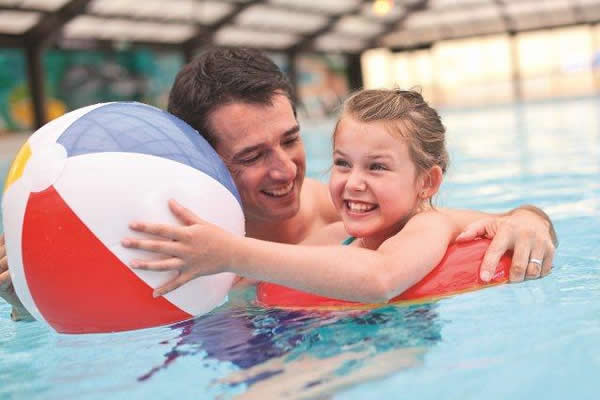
point(275, 214)
point(284, 212)
point(276, 209)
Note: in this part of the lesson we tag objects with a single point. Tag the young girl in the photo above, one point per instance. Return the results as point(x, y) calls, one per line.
point(389, 160)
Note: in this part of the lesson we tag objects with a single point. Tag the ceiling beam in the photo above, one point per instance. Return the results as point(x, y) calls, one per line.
point(307, 43)
point(113, 45)
point(392, 26)
point(7, 40)
point(24, 9)
point(302, 35)
point(116, 45)
point(578, 12)
point(135, 18)
point(206, 32)
point(489, 34)
point(51, 24)
point(509, 24)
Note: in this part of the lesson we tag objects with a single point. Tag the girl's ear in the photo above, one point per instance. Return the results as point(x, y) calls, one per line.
point(431, 182)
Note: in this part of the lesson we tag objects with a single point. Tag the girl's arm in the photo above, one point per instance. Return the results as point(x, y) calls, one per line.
point(346, 272)
point(343, 272)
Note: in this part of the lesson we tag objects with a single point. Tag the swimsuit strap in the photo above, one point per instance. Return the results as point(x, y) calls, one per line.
point(348, 240)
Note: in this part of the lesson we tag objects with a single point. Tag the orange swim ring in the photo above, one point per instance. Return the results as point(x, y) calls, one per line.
point(458, 272)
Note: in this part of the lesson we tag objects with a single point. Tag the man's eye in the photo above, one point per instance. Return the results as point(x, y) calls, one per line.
point(291, 141)
point(251, 159)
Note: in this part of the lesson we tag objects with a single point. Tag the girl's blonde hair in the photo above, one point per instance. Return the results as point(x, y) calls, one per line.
point(408, 116)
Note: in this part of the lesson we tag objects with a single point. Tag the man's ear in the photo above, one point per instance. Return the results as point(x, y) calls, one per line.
point(431, 181)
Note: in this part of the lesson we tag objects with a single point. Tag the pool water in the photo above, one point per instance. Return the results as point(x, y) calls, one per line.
point(537, 339)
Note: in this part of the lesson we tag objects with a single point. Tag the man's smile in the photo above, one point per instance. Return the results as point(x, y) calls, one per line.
point(279, 191)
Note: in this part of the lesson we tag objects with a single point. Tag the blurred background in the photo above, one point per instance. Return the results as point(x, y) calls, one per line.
point(58, 55)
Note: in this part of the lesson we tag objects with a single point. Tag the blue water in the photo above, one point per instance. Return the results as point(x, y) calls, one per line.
point(537, 339)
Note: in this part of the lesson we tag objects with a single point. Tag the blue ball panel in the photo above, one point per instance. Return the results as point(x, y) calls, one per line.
point(140, 128)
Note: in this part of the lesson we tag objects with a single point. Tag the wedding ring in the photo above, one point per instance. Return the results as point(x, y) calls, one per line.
point(535, 261)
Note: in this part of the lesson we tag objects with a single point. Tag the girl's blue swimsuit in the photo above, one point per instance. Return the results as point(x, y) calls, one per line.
point(348, 240)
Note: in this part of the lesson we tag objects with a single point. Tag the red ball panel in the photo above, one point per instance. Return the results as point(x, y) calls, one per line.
point(78, 285)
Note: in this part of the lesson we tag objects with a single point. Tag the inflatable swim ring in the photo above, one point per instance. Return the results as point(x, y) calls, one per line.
point(458, 272)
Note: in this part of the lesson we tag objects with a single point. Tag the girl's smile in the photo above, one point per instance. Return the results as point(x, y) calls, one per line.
point(373, 183)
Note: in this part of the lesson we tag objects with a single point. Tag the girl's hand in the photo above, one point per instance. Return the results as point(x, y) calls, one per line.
point(198, 248)
point(522, 232)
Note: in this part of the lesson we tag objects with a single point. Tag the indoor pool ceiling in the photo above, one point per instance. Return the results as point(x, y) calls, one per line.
point(342, 26)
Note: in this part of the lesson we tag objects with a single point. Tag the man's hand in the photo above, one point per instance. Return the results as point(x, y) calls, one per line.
point(7, 291)
point(527, 231)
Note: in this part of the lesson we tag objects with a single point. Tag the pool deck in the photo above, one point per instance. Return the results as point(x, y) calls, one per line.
point(10, 144)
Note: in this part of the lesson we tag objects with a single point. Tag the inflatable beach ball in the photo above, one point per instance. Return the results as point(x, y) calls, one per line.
point(69, 196)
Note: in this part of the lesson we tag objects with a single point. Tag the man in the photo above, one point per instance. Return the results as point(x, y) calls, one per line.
point(241, 102)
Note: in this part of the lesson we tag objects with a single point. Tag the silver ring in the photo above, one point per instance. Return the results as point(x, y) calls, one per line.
point(535, 261)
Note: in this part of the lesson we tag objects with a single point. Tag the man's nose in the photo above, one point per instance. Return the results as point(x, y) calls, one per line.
point(283, 166)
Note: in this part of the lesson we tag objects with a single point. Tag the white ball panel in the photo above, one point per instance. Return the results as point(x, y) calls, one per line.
point(45, 166)
point(109, 190)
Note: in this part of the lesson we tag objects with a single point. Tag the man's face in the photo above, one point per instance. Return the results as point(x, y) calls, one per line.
point(262, 148)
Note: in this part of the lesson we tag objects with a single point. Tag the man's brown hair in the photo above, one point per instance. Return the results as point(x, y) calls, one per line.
point(221, 76)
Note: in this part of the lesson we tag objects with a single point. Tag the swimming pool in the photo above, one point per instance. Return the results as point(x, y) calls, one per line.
point(537, 339)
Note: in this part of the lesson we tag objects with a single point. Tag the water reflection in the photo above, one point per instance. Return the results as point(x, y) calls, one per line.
point(301, 353)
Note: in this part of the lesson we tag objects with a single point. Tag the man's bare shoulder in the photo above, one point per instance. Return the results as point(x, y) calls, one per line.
point(317, 194)
point(328, 235)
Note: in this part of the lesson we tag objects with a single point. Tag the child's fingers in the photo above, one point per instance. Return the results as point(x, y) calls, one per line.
point(171, 285)
point(186, 216)
point(155, 246)
point(168, 264)
point(162, 230)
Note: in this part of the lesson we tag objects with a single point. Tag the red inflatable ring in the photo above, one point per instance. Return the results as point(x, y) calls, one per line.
point(458, 272)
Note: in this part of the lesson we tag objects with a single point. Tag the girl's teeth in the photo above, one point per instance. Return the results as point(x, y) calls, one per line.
point(359, 207)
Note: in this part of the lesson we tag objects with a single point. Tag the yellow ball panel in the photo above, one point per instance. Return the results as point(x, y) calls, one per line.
point(17, 167)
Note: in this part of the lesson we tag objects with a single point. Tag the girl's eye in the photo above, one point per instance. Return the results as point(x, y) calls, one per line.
point(340, 163)
point(378, 167)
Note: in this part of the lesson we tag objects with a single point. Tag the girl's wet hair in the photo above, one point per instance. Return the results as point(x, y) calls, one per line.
point(407, 115)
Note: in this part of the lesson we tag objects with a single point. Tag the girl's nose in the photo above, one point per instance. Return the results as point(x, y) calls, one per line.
point(356, 182)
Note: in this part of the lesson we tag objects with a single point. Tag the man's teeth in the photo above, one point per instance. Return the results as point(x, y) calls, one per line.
point(359, 207)
point(282, 191)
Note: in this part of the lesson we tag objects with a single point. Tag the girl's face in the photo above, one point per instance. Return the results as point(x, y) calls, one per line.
point(374, 183)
